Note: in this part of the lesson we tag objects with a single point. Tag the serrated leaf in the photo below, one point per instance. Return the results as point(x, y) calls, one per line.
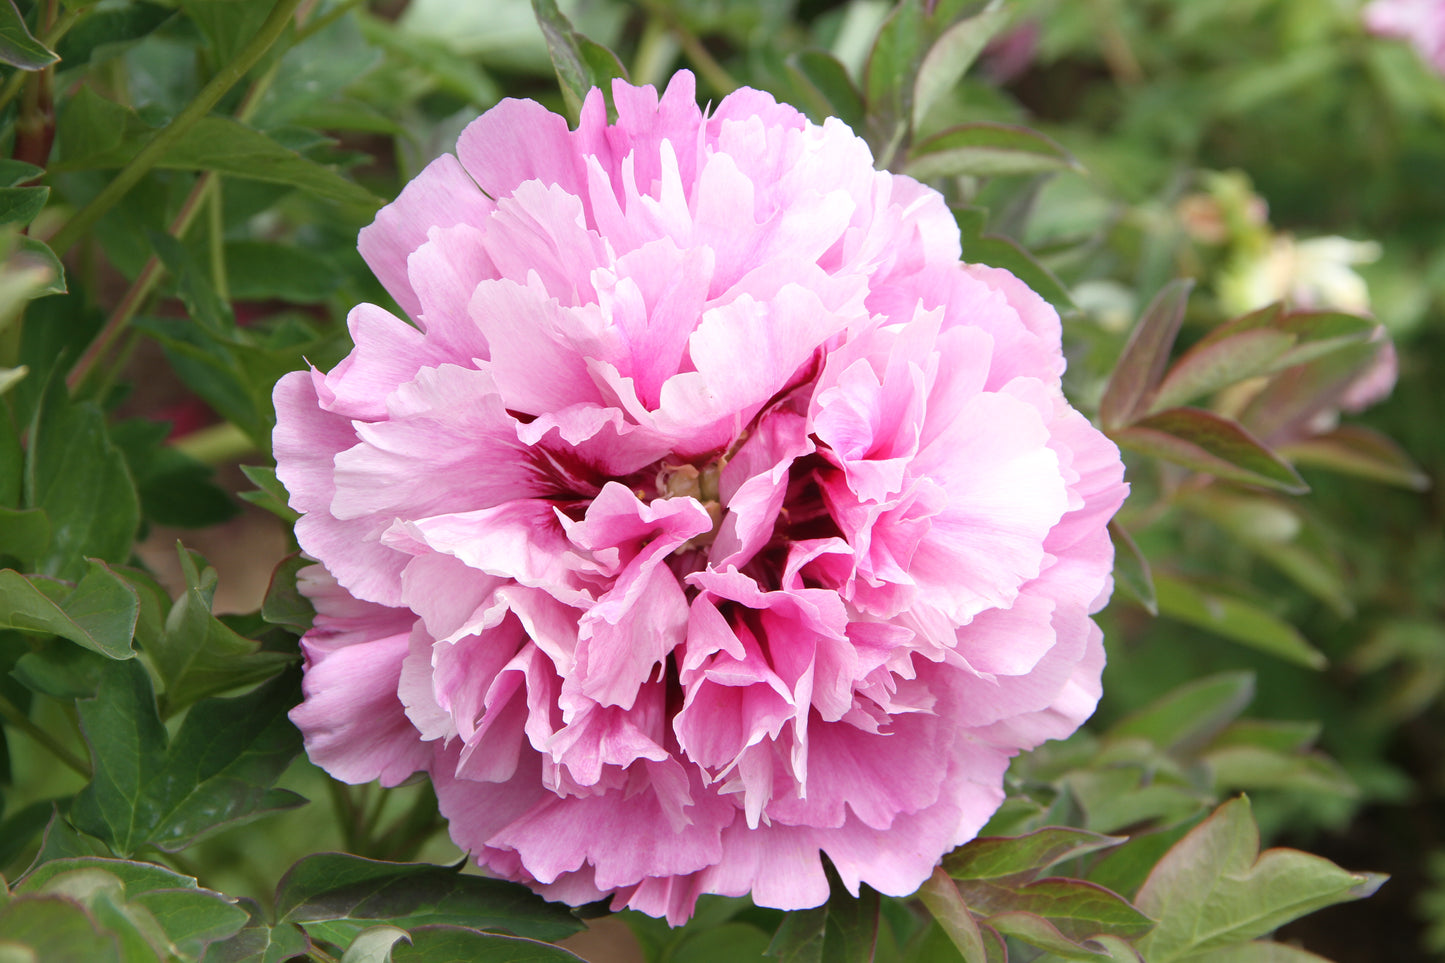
point(825, 87)
point(1186, 719)
point(99, 613)
point(1356, 450)
point(984, 149)
point(1131, 568)
point(18, 47)
point(580, 63)
point(79, 477)
point(338, 886)
point(218, 770)
point(1145, 357)
point(455, 944)
point(1210, 443)
point(1236, 619)
point(1023, 858)
point(950, 56)
point(1215, 887)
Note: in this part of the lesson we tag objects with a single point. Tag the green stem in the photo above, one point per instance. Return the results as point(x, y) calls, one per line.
point(216, 227)
point(161, 143)
point(12, 714)
point(326, 20)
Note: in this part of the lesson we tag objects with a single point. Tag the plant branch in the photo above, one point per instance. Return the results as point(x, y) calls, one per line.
point(152, 153)
point(12, 714)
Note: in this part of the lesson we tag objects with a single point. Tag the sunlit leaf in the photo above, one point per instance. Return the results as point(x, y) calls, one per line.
point(1215, 887)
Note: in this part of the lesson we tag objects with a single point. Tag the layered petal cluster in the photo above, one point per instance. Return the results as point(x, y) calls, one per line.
point(706, 515)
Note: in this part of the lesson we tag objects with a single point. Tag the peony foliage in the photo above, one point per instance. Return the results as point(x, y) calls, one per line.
point(682, 480)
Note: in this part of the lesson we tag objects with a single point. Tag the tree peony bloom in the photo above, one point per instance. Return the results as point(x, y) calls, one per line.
point(1421, 22)
point(708, 517)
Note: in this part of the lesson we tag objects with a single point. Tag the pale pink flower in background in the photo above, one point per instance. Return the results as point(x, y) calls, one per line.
point(1421, 22)
point(708, 516)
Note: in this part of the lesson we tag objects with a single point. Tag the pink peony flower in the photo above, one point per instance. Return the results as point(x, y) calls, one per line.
point(1421, 22)
point(709, 517)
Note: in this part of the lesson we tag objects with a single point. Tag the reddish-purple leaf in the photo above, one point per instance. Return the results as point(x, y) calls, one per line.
point(1360, 451)
point(1205, 368)
point(1078, 908)
point(1036, 931)
point(1145, 356)
point(1210, 443)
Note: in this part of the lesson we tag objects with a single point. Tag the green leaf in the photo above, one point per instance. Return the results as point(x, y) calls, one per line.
point(99, 613)
point(984, 149)
point(62, 841)
point(107, 31)
point(258, 942)
point(21, 205)
point(1259, 951)
point(270, 494)
point(1215, 888)
point(580, 63)
point(1263, 342)
point(212, 143)
point(374, 945)
point(45, 265)
point(18, 47)
point(56, 929)
point(192, 919)
point(1036, 931)
point(454, 944)
point(826, 89)
point(1206, 442)
point(1023, 857)
point(24, 535)
point(18, 829)
point(337, 886)
point(198, 655)
point(888, 79)
point(1356, 450)
point(1235, 619)
point(258, 270)
point(284, 604)
point(14, 172)
point(1077, 908)
point(137, 876)
point(1131, 568)
point(1238, 768)
point(79, 477)
point(949, 58)
point(60, 670)
point(1004, 252)
point(1125, 797)
point(945, 901)
point(1145, 357)
point(175, 489)
point(218, 770)
point(1186, 719)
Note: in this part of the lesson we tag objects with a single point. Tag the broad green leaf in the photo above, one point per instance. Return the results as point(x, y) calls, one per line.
point(270, 494)
point(99, 613)
point(1251, 768)
point(1280, 735)
point(105, 32)
point(226, 24)
point(24, 534)
point(191, 918)
point(580, 63)
point(1356, 450)
point(984, 149)
point(950, 56)
point(21, 205)
point(1078, 908)
point(337, 886)
point(945, 901)
point(1209, 443)
point(374, 945)
point(18, 830)
point(825, 89)
point(14, 173)
point(62, 841)
point(1186, 719)
point(1131, 568)
point(1023, 858)
point(1262, 342)
point(1036, 931)
point(1125, 797)
point(217, 771)
point(1258, 951)
point(79, 477)
point(455, 944)
point(43, 265)
point(1124, 869)
point(284, 604)
point(175, 489)
point(60, 670)
point(1145, 357)
point(259, 942)
point(198, 655)
point(135, 875)
point(54, 928)
point(18, 47)
point(1236, 619)
point(258, 270)
point(1215, 887)
point(724, 943)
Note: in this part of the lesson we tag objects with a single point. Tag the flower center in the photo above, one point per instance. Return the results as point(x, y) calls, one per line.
point(689, 481)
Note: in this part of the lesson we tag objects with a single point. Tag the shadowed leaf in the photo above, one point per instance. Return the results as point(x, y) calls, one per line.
point(1145, 356)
